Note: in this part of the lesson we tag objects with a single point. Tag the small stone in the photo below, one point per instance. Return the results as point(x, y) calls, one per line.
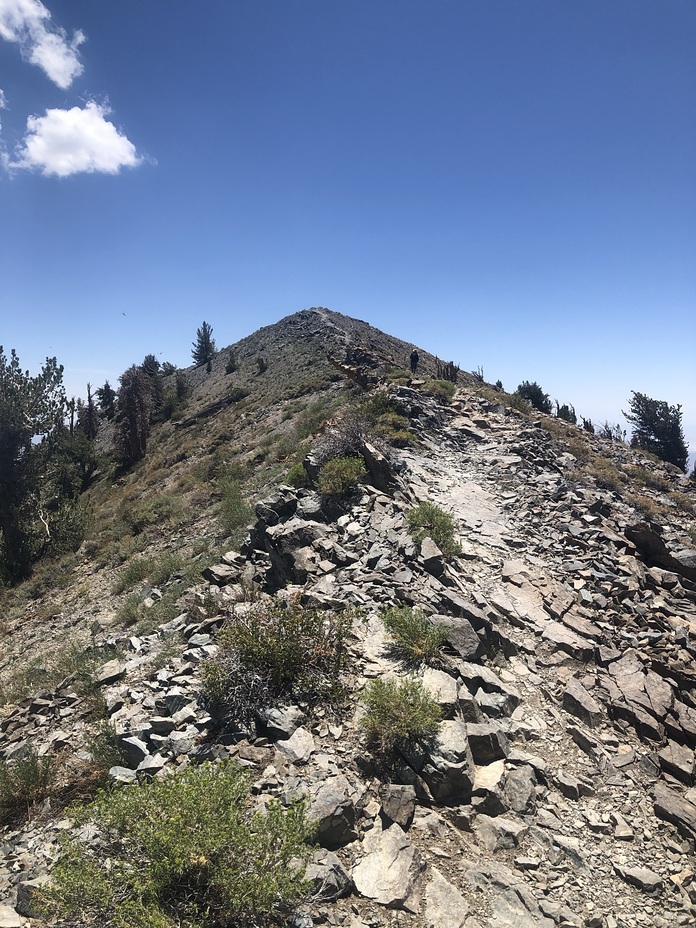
point(298, 748)
point(641, 877)
point(399, 804)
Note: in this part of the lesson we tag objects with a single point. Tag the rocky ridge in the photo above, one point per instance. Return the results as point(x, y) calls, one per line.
point(560, 790)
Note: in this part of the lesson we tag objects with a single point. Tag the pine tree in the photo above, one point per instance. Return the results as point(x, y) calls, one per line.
point(134, 410)
point(87, 415)
point(153, 369)
point(535, 395)
point(657, 428)
point(107, 400)
point(29, 408)
point(203, 348)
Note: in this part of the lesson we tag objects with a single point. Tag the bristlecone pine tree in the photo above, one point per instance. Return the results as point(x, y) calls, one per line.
point(657, 427)
point(204, 347)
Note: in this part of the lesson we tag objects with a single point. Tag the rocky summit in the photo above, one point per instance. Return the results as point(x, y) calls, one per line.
point(559, 787)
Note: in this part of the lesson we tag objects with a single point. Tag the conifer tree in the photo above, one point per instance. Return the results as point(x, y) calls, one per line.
point(152, 368)
point(657, 427)
point(107, 400)
point(203, 348)
point(29, 408)
point(134, 410)
point(87, 415)
point(535, 395)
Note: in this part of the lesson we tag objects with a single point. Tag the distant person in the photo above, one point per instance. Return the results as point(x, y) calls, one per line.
point(414, 361)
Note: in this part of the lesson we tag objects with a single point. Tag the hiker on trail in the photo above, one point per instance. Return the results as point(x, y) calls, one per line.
point(414, 361)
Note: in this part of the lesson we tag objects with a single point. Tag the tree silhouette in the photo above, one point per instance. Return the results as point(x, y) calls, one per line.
point(204, 347)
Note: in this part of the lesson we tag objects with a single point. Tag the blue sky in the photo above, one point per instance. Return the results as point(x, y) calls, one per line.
point(510, 184)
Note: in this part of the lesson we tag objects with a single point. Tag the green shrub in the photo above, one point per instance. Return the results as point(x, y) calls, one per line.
point(339, 476)
point(129, 611)
point(157, 510)
point(157, 569)
point(606, 474)
point(234, 512)
point(104, 747)
point(519, 402)
point(442, 390)
point(398, 715)
point(394, 429)
point(69, 526)
point(274, 652)
point(428, 520)
point(205, 857)
point(23, 783)
point(297, 476)
point(417, 639)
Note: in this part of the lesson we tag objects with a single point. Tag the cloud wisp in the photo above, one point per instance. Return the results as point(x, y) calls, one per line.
point(75, 141)
point(28, 24)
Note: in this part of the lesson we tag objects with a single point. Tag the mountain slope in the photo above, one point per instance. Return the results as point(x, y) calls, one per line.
point(560, 790)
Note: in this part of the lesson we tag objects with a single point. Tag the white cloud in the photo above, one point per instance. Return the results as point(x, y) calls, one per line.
point(28, 24)
point(3, 100)
point(75, 141)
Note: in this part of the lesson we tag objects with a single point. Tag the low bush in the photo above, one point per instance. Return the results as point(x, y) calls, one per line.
point(275, 652)
point(417, 639)
point(398, 715)
point(234, 512)
point(519, 402)
point(533, 393)
point(442, 390)
point(428, 520)
point(129, 611)
point(339, 476)
point(606, 474)
point(137, 515)
point(395, 430)
point(69, 526)
point(347, 438)
point(23, 783)
point(157, 569)
point(297, 476)
point(205, 857)
point(103, 747)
